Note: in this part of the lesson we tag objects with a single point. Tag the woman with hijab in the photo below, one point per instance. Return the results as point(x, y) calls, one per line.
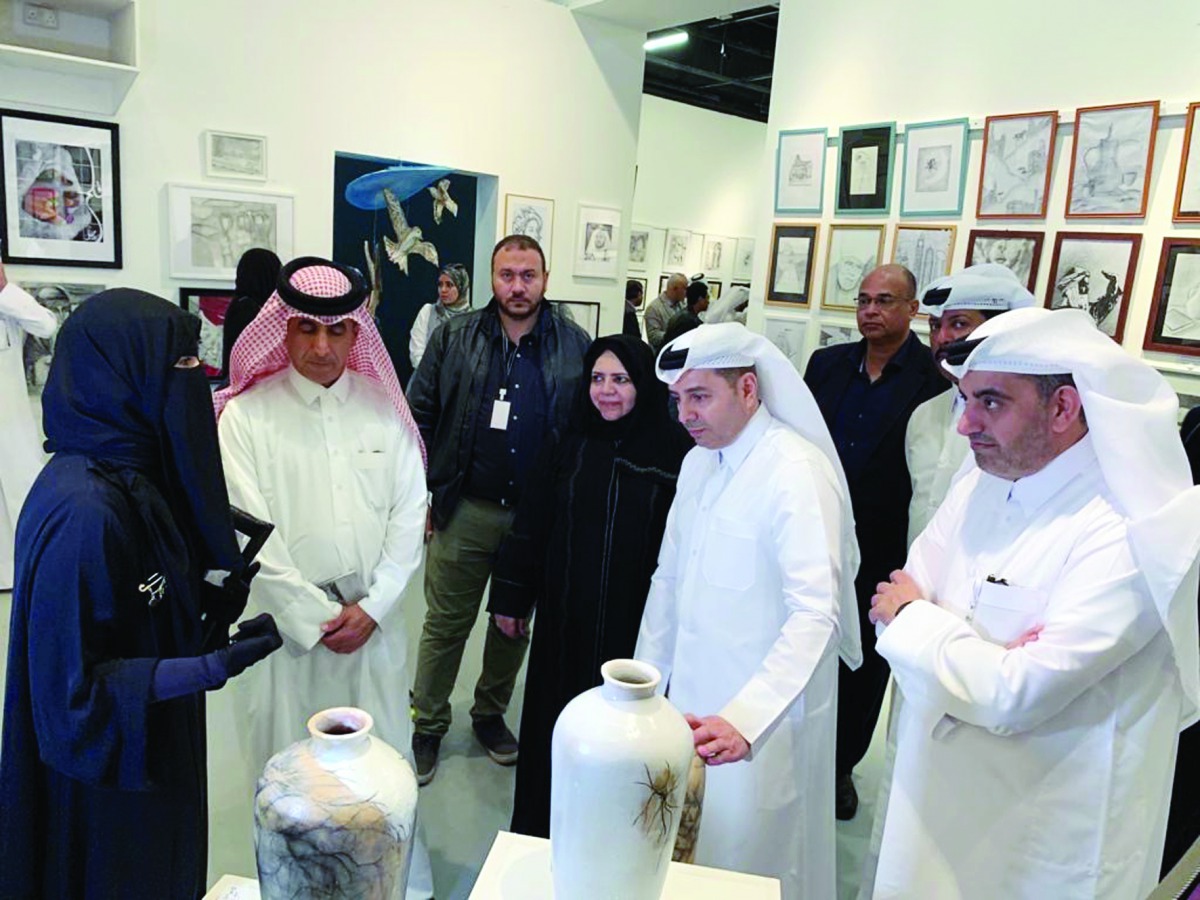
point(584, 545)
point(115, 634)
point(257, 272)
point(454, 299)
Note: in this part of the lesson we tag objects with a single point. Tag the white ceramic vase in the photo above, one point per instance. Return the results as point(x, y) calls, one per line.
point(620, 759)
point(335, 815)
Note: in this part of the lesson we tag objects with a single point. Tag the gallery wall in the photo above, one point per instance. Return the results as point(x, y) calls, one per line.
point(913, 61)
point(523, 90)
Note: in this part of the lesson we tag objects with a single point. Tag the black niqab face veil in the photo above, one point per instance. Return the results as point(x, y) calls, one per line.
point(114, 394)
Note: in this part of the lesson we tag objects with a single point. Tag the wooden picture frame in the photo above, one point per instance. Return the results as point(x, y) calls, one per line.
point(1111, 159)
point(925, 250)
point(842, 268)
point(1187, 191)
point(793, 251)
point(1174, 324)
point(1084, 258)
point(1017, 162)
point(997, 246)
point(865, 157)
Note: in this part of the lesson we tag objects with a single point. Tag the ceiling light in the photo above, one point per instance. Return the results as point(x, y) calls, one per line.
point(670, 39)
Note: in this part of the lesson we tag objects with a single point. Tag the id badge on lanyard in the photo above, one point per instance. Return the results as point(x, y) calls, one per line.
point(500, 412)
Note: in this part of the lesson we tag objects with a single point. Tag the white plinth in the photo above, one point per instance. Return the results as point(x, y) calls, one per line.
point(518, 868)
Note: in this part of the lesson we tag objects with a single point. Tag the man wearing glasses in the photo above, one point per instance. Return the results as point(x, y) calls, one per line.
point(866, 392)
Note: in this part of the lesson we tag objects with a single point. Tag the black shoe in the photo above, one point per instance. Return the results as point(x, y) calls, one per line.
point(425, 751)
point(846, 798)
point(499, 742)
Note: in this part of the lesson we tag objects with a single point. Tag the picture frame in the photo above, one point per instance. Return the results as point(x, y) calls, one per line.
point(584, 313)
point(60, 191)
point(645, 290)
point(793, 250)
point(743, 259)
point(1018, 251)
point(714, 289)
point(209, 305)
point(677, 249)
point(800, 171)
point(739, 284)
point(854, 250)
point(1111, 159)
point(717, 256)
point(60, 298)
point(926, 250)
point(835, 331)
point(597, 242)
point(865, 156)
point(790, 335)
point(1174, 324)
point(934, 178)
point(639, 248)
point(209, 229)
point(532, 217)
point(1187, 191)
point(662, 281)
point(1018, 159)
point(1083, 259)
point(231, 155)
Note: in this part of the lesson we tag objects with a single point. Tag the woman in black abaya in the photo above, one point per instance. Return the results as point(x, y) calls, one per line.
point(583, 546)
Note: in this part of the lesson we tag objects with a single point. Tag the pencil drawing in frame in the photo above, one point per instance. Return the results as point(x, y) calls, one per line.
point(935, 168)
point(800, 171)
point(1174, 325)
point(1093, 271)
point(854, 250)
point(864, 183)
point(1111, 160)
point(1018, 155)
point(793, 249)
point(925, 250)
point(1018, 251)
point(1187, 192)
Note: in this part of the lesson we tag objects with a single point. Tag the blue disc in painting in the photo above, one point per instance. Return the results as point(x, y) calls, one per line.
point(366, 191)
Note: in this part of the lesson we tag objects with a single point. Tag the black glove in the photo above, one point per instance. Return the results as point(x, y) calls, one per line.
point(224, 605)
point(254, 640)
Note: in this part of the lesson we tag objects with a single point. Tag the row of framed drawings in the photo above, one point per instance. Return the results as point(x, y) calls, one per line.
point(1093, 271)
point(596, 252)
point(1111, 163)
point(714, 288)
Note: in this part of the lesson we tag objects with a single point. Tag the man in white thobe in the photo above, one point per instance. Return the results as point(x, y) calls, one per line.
point(316, 437)
point(1043, 635)
point(956, 305)
point(21, 458)
point(753, 601)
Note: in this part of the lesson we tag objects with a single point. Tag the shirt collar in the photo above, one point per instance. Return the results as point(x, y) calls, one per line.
point(896, 360)
point(735, 454)
point(1033, 491)
point(310, 392)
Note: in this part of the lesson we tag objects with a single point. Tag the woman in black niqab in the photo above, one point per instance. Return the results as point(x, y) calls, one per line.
point(583, 547)
point(257, 273)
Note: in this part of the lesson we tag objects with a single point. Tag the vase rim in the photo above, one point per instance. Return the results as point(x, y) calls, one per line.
point(358, 721)
point(633, 678)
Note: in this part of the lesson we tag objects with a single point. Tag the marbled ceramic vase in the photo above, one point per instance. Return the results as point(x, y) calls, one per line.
point(335, 815)
point(620, 759)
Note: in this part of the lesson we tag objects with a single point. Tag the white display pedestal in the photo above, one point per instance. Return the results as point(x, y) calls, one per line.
point(518, 868)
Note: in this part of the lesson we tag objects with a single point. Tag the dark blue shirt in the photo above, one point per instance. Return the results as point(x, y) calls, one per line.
point(501, 458)
point(862, 406)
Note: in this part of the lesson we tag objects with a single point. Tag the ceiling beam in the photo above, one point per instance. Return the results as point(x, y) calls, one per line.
point(705, 74)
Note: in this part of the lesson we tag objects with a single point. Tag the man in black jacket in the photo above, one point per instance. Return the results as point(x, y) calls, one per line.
point(492, 384)
point(866, 392)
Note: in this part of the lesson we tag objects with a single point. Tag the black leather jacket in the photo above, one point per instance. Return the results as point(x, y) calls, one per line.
point(447, 388)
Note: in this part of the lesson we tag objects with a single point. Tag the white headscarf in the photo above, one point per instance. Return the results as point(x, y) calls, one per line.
point(1131, 415)
point(729, 345)
point(724, 308)
point(988, 286)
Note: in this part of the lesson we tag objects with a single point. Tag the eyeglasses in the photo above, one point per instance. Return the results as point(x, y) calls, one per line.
point(883, 301)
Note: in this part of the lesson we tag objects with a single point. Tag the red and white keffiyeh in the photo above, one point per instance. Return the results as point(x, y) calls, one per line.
point(261, 352)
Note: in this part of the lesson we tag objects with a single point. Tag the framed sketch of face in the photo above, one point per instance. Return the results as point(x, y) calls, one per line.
point(1018, 151)
point(677, 249)
point(639, 245)
point(597, 242)
point(1110, 162)
point(935, 168)
point(532, 217)
point(854, 250)
point(793, 248)
point(1093, 271)
point(1187, 192)
point(865, 155)
point(62, 299)
point(925, 250)
point(1018, 251)
point(1174, 325)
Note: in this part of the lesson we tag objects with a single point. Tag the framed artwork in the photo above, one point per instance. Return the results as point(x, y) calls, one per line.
point(935, 168)
point(1187, 193)
point(718, 254)
point(800, 171)
point(925, 250)
point(639, 247)
point(1018, 151)
point(854, 250)
point(836, 332)
point(1093, 271)
point(662, 281)
point(739, 284)
point(642, 282)
point(714, 289)
point(209, 229)
point(228, 155)
point(1018, 251)
point(596, 242)
point(209, 305)
point(790, 336)
point(676, 249)
point(743, 259)
point(1174, 325)
point(532, 217)
point(60, 191)
point(62, 299)
point(583, 313)
point(1111, 160)
point(793, 249)
point(865, 169)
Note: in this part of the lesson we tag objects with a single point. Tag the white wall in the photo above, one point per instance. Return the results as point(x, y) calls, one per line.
point(521, 89)
point(697, 170)
point(915, 60)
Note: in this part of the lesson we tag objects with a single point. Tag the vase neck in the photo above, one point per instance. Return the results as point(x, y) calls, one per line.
point(341, 732)
point(628, 679)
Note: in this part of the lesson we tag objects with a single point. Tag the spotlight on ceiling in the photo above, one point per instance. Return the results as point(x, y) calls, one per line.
point(662, 41)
